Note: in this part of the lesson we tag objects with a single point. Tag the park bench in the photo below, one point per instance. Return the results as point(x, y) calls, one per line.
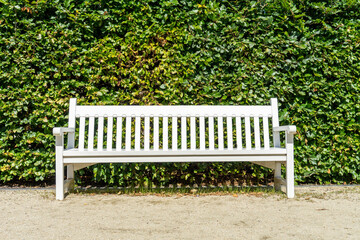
point(158, 134)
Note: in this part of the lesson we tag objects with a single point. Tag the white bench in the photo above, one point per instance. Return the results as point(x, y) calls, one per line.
point(173, 134)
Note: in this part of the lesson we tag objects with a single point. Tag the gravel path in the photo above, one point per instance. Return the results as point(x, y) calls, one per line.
point(315, 213)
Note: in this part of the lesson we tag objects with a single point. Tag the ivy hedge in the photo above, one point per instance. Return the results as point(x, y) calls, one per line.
point(305, 53)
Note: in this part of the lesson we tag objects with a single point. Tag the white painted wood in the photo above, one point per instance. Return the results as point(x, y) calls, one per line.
point(230, 144)
point(118, 133)
point(183, 134)
point(276, 138)
point(165, 134)
point(128, 134)
point(220, 133)
point(266, 132)
point(176, 158)
point(290, 165)
point(257, 132)
point(247, 133)
point(193, 133)
point(59, 147)
point(202, 133)
point(211, 134)
point(109, 136)
point(81, 133)
point(174, 133)
point(147, 133)
point(287, 129)
point(156, 133)
point(72, 122)
point(91, 134)
point(275, 121)
point(271, 151)
point(137, 133)
point(238, 133)
point(100, 136)
point(189, 111)
point(267, 156)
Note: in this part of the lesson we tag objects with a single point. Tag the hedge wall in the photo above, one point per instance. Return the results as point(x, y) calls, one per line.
point(305, 53)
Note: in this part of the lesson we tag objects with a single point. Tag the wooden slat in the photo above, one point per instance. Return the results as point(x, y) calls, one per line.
point(100, 134)
point(238, 133)
point(202, 133)
point(165, 133)
point(188, 110)
point(156, 133)
point(128, 134)
point(81, 133)
point(257, 132)
point(174, 133)
point(220, 133)
point(118, 133)
point(147, 134)
point(193, 133)
point(266, 132)
point(109, 139)
point(183, 134)
point(91, 134)
point(211, 133)
point(230, 144)
point(137, 133)
point(247, 133)
point(188, 152)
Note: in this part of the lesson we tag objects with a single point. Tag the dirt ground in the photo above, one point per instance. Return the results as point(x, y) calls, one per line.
point(315, 213)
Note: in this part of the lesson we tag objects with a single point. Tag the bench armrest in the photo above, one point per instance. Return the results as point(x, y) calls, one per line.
point(59, 131)
point(289, 129)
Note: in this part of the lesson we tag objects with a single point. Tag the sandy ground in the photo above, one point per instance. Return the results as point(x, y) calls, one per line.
point(315, 213)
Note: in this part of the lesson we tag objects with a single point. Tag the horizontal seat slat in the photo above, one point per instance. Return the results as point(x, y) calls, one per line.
point(176, 158)
point(271, 151)
point(174, 110)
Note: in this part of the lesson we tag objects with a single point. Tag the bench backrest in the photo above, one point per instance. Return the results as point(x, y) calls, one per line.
point(166, 128)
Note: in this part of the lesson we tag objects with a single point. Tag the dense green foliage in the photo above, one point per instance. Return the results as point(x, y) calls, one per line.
point(306, 53)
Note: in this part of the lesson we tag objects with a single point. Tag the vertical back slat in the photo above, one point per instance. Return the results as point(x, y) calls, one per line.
point(257, 132)
point(91, 134)
point(230, 143)
point(275, 121)
point(211, 133)
point(183, 133)
point(247, 133)
point(137, 133)
point(81, 133)
point(266, 133)
point(147, 134)
point(72, 122)
point(174, 133)
point(220, 133)
point(109, 139)
point(118, 133)
point(100, 133)
point(193, 133)
point(202, 133)
point(128, 134)
point(156, 133)
point(165, 134)
point(238, 133)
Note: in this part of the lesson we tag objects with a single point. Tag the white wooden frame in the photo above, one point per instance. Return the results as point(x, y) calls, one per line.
point(241, 133)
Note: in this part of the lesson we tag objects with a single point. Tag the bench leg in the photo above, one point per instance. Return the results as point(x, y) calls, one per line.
point(59, 168)
point(70, 177)
point(290, 166)
point(277, 176)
